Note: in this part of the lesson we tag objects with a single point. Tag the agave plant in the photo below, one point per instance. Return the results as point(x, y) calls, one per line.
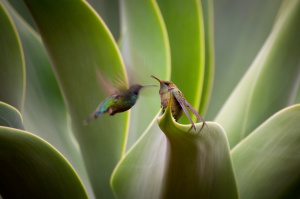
point(51, 51)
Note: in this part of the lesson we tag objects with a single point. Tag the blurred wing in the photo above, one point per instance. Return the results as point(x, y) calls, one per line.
point(181, 100)
point(194, 111)
point(103, 83)
point(138, 75)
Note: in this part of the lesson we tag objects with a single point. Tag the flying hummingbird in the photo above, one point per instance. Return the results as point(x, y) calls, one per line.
point(119, 102)
point(178, 103)
point(121, 98)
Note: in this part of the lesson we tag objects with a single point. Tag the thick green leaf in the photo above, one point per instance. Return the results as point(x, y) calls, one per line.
point(10, 116)
point(269, 84)
point(241, 28)
point(188, 164)
point(208, 15)
point(12, 79)
point(44, 110)
point(31, 168)
point(267, 162)
point(79, 45)
point(198, 163)
point(145, 48)
point(185, 26)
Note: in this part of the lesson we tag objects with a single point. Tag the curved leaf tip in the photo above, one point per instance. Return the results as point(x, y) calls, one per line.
point(167, 123)
point(10, 116)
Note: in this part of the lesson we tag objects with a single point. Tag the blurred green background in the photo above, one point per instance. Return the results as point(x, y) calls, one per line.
point(236, 62)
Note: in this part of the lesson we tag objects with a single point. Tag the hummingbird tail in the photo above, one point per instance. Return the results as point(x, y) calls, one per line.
point(93, 116)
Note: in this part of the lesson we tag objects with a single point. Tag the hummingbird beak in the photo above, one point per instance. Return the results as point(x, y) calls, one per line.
point(149, 85)
point(156, 78)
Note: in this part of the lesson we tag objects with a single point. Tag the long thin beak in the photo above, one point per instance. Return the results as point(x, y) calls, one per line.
point(160, 81)
point(149, 85)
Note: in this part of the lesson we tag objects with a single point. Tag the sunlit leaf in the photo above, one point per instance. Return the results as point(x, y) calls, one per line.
point(209, 72)
point(145, 47)
point(79, 45)
point(187, 47)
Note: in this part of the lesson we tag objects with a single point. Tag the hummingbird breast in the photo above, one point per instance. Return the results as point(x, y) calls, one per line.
point(121, 102)
point(175, 106)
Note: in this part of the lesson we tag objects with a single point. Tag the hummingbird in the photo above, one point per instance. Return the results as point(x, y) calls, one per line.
point(178, 103)
point(118, 102)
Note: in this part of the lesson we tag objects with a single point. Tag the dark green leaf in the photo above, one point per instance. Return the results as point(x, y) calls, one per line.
point(31, 168)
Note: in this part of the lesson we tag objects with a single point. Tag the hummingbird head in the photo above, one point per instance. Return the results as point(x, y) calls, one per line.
point(165, 86)
point(137, 87)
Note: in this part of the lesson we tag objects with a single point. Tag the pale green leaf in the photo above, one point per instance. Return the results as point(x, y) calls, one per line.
point(209, 71)
point(79, 45)
point(271, 82)
point(185, 26)
point(145, 48)
point(267, 161)
point(241, 28)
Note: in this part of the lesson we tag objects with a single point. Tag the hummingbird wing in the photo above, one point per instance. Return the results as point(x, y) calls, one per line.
point(194, 111)
point(180, 99)
point(118, 82)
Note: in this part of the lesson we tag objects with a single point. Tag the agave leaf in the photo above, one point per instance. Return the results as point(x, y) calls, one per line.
point(209, 71)
point(139, 174)
point(198, 161)
point(32, 168)
point(10, 116)
point(185, 26)
point(267, 161)
point(145, 47)
point(269, 84)
point(79, 44)
point(12, 75)
point(178, 163)
point(241, 28)
point(44, 110)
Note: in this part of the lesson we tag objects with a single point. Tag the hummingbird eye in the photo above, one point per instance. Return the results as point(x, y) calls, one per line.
point(166, 83)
